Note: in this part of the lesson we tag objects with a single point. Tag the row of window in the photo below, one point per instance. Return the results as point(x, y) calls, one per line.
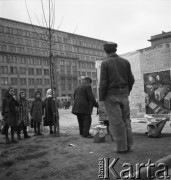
point(23, 81)
point(94, 82)
point(89, 74)
point(57, 37)
point(23, 60)
point(22, 70)
point(39, 52)
point(39, 44)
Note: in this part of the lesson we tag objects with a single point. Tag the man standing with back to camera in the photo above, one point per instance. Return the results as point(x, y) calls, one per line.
point(116, 81)
point(84, 101)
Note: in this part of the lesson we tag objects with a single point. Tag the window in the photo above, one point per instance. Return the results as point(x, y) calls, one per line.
point(94, 74)
point(14, 81)
point(46, 81)
point(46, 71)
point(63, 84)
point(31, 81)
point(69, 84)
point(83, 73)
point(31, 93)
point(13, 70)
point(22, 70)
point(89, 74)
point(23, 81)
point(31, 71)
point(4, 80)
point(38, 71)
point(4, 69)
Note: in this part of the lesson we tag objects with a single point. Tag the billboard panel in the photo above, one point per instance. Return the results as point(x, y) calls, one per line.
point(157, 88)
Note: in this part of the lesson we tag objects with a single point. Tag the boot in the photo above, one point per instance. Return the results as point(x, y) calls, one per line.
point(35, 131)
point(51, 131)
point(18, 136)
point(13, 140)
point(12, 136)
point(26, 135)
point(39, 133)
point(7, 139)
point(25, 132)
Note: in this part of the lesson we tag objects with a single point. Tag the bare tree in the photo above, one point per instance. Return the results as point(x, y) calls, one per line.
point(48, 39)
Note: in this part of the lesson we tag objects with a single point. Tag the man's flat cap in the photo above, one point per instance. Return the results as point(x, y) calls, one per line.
point(88, 78)
point(110, 46)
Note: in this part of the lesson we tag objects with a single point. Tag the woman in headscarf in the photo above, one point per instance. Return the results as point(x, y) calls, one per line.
point(36, 112)
point(51, 110)
point(10, 113)
point(23, 115)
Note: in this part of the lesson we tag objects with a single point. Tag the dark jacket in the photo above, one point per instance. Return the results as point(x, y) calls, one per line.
point(50, 110)
point(10, 110)
point(84, 100)
point(36, 111)
point(116, 76)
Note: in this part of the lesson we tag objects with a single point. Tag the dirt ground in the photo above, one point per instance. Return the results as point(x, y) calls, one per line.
point(52, 158)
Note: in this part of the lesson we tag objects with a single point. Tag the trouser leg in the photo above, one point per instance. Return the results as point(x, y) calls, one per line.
point(51, 130)
point(86, 124)
point(80, 123)
point(127, 120)
point(6, 127)
point(38, 127)
point(12, 135)
point(117, 125)
point(35, 128)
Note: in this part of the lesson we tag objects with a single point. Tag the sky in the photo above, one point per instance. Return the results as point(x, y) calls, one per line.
point(130, 23)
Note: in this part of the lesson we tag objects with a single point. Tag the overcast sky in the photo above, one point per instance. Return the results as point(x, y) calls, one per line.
point(130, 23)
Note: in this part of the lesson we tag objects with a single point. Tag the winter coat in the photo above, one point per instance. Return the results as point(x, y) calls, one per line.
point(84, 100)
point(116, 76)
point(10, 110)
point(50, 110)
point(23, 111)
point(36, 111)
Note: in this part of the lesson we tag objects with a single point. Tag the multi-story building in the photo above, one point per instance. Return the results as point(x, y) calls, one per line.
point(24, 58)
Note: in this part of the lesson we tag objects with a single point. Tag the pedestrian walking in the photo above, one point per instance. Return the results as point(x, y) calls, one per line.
point(36, 113)
point(116, 82)
point(84, 101)
point(23, 115)
point(10, 114)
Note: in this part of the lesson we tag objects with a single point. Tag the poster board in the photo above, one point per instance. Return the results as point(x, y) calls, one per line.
point(102, 111)
point(157, 88)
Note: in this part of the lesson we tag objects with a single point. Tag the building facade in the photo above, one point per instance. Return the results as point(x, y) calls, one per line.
point(155, 58)
point(24, 59)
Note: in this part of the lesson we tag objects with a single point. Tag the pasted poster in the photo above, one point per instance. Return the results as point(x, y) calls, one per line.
point(157, 88)
point(102, 111)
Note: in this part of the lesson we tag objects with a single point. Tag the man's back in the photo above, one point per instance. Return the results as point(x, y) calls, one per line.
point(116, 76)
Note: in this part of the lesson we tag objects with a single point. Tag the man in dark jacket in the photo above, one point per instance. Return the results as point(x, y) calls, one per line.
point(116, 81)
point(84, 101)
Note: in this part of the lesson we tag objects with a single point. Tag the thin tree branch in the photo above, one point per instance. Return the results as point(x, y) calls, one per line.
point(60, 23)
point(32, 23)
point(44, 14)
point(75, 29)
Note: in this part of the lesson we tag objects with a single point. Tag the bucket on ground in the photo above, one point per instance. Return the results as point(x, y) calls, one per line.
point(99, 133)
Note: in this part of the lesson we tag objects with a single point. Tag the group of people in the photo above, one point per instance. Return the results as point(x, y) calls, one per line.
point(15, 114)
point(116, 82)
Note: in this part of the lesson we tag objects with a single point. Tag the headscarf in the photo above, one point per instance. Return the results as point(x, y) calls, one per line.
point(48, 93)
point(7, 92)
